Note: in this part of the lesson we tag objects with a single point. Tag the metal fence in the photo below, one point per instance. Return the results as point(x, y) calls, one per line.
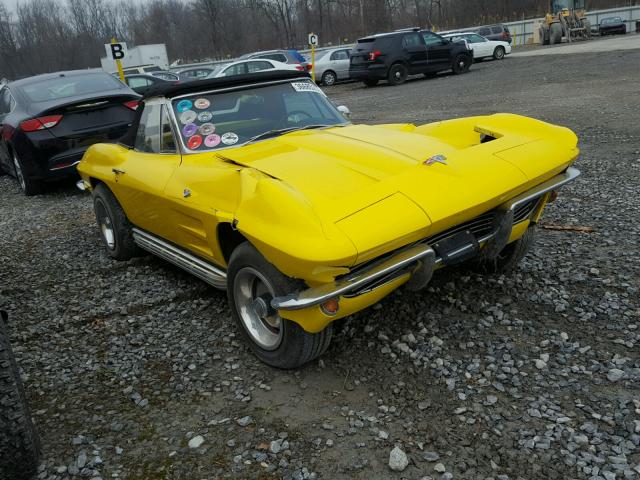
point(522, 31)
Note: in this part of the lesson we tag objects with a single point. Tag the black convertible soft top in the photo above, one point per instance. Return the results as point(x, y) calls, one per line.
point(173, 90)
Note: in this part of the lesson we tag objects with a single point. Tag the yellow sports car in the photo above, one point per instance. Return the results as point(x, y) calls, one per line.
point(261, 186)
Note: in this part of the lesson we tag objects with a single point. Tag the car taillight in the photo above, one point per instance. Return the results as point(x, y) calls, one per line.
point(309, 66)
point(300, 68)
point(505, 35)
point(40, 123)
point(375, 54)
point(132, 104)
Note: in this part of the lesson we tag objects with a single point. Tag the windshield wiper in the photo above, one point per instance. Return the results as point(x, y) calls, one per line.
point(281, 131)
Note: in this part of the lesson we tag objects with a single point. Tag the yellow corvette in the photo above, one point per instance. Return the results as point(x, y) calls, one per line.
point(260, 185)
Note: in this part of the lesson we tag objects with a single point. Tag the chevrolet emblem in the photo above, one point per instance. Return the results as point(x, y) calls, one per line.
point(436, 158)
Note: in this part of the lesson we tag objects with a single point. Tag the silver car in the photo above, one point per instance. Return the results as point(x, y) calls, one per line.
point(332, 65)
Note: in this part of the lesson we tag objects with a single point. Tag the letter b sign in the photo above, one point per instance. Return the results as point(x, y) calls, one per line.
point(117, 51)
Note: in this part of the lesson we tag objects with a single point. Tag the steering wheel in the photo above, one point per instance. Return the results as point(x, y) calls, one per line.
point(297, 116)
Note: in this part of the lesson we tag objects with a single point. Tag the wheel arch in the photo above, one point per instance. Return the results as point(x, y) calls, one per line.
point(228, 239)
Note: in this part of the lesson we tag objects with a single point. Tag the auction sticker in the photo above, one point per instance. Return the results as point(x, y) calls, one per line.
point(194, 142)
point(212, 140)
point(189, 129)
point(188, 116)
point(229, 138)
point(306, 87)
point(205, 116)
point(202, 103)
point(184, 105)
point(207, 129)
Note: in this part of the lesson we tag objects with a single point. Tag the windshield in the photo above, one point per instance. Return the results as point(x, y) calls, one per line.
point(612, 20)
point(70, 86)
point(212, 121)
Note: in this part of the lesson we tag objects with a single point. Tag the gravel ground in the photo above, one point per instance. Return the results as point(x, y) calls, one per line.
point(134, 370)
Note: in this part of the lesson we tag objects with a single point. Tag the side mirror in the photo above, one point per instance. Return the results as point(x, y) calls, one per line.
point(346, 113)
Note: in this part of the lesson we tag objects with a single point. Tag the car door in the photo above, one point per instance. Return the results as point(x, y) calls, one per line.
point(481, 46)
point(339, 62)
point(438, 52)
point(6, 130)
point(416, 51)
point(139, 180)
point(235, 69)
point(139, 84)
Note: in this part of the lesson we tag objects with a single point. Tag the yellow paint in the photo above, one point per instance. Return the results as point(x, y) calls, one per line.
point(315, 203)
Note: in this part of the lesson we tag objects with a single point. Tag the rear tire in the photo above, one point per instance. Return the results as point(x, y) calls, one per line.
point(28, 186)
point(510, 256)
point(498, 53)
point(329, 78)
point(251, 284)
point(461, 64)
point(555, 33)
point(19, 442)
point(371, 82)
point(115, 229)
point(397, 74)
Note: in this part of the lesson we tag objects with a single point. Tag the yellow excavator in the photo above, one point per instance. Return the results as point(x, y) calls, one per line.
point(566, 19)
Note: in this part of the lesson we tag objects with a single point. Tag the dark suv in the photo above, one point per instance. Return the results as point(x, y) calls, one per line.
point(394, 56)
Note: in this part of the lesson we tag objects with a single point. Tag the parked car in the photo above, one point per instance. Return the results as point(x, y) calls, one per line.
point(292, 57)
point(19, 440)
point(141, 82)
point(394, 56)
point(195, 73)
point(48, 121)
point(166, 75)
point(259, 185)
point(482, 47)
point(332, 65)
point(611, 26)
point(243, 67)
point(140, 69)
point(497, 31)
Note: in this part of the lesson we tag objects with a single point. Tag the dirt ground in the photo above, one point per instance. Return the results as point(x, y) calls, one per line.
point(531, 375)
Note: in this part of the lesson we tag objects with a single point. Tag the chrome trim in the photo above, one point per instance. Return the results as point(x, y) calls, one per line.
point(203, 270)
point(569, 175)
point(53, 169)
point(316, 295)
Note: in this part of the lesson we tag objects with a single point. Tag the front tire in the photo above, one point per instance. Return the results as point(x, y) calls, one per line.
point(19, 442)
point(251, 284)
point(329, 78)
point(510, 256)
point(115, 230)
point(461, 64)
point(397, 74)
point(498, 53)
point(28, 186)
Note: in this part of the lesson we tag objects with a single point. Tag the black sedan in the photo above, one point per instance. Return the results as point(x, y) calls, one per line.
point(48, 121)
point(142, 82)
point(612, 25)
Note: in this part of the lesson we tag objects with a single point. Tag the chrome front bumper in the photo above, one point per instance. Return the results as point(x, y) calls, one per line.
point(409, 259)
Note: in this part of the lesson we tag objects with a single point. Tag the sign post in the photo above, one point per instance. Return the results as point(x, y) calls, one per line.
point(313, 42)
point(117, 51)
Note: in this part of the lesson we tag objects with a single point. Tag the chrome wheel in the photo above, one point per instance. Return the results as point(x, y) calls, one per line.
point(499, 53)
point(329, 78)
point(106, 226)
point(19, 174)
point(252, 293)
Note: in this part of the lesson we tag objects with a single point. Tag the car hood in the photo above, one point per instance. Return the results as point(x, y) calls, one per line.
point(385, 170)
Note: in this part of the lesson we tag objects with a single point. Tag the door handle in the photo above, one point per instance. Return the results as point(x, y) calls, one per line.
point(117, 171)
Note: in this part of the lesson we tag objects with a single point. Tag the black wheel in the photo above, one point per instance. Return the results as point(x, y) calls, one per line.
point(498, 53)
point(28, 186)
point(397, 74)
point(251, 284)
point(461, 64)
point(371, 82)
point(510, 255)
point(555, 33)
point(329, 78)
point(19, 442)
point(115, 229)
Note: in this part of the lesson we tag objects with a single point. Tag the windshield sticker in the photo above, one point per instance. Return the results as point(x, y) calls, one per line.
point(194, 142)
point(189, 129)
point(306, 87)
point(230, 138)
point(184, 105)
point(207, 129)
point(205, 116)
point(201, 103)
point(212, 140)
point(187, 116)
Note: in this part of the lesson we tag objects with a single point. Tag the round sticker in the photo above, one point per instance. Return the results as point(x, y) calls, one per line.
point(212, 140)
point(202, 103)
point(194, 142)
point(207, 128)
point(189, 129)
point(230, 138)
point(205, 116)
point(184, 105)
point(187, 116)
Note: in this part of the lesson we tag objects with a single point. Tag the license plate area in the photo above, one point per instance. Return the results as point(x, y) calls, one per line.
point(457, 248)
